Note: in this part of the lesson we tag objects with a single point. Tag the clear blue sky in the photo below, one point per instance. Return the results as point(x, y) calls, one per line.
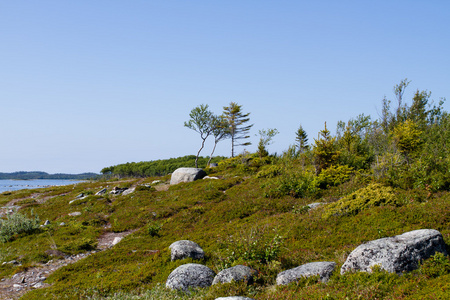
point(89, 84)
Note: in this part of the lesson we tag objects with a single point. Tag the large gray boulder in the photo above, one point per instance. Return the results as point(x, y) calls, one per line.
point(190, 276)
point(236, 273)
point(184, 249)
point(322, 268)
point(186, 175)
point(400, 253)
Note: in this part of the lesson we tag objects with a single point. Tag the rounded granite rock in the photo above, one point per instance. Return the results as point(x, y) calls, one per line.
point(190, 276)
point(236, 273)
point(185, 249)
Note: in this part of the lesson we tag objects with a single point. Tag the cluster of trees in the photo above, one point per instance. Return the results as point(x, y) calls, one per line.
point(155, 168)
point(407, 147)
point(231, 124)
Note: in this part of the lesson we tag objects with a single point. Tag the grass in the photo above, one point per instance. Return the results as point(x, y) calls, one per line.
point(223, 216)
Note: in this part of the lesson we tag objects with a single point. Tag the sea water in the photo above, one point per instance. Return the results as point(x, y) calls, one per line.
point(14, 185)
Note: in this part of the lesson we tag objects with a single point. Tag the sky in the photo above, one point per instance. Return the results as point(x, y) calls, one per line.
point(90, 84)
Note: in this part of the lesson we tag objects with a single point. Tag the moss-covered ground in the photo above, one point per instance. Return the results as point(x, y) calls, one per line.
point(236, 221)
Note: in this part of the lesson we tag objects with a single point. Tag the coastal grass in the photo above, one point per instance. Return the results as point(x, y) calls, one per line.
point(234, 221)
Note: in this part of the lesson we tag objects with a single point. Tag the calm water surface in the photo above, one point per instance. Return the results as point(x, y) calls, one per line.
point(14, 185)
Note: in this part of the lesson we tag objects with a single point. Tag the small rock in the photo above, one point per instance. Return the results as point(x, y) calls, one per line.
point(74, 214)
point(15, 285)
point(324, 269)
point(210, 177)
point(184, 249)
point(38, 285)
point(116, 240)
point(236, 273)
point(315, 205)
point(129, 191)
point(156, 181)
point(101, 192)
point(80, 196)
point(62, 224)
point(47, 222)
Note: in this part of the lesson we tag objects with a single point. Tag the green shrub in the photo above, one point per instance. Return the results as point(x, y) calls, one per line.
point(435, 266)
point(269, 172)
point(298, 185)
point(16, 224)
point(334, 176)
point(257, 245)
point(153, 229)
point(374, 194)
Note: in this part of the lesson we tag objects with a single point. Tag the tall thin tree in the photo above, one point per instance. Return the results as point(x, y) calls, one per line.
point(220, 132)
point(202, 121)
point(236, 124)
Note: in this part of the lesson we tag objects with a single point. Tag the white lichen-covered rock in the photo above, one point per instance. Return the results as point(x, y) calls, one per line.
point(315, 205)
point(322, 268)
point(396, 254)
point(129, 191)
point(236, 273)
point(234, 298)
point(190, 276)
point(184, 249)
point(186, 175)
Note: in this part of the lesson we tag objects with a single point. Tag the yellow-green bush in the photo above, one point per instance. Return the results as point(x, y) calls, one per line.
point(269, 172)
point(374, 194)
point(334, 175)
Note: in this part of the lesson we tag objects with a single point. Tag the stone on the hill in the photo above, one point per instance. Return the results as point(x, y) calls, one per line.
point(74, 214)
point(129, 191)
point(314, 205)
point(400, 253)
point(323, 268)
point(186, 175)
point(117, 190)
point(184, 249)
point(116, 240)
point(101, 192)
point(190, 275)
point(236, 273)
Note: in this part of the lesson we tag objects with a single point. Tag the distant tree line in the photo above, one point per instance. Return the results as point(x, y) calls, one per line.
point(22, 175)
point(157, 167)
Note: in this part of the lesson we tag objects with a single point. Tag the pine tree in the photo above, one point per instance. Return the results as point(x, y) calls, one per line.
point(325, 150)
point(302, 139)
point(237, 130)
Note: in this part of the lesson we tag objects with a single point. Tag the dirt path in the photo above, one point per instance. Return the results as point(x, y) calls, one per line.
point(17, 285)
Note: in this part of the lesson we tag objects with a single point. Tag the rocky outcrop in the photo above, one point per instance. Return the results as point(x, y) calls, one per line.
point(184, 249)
point(190, 276)
point(117, 190)
point(397, 254)
point(186, 175)
point(323, 268)
point(236, 273)
point(129, 191)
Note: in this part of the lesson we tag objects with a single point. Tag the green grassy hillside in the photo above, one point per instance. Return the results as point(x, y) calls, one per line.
point(255, 214)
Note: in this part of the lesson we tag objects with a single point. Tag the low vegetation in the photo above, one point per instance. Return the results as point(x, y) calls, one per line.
point(374, 179)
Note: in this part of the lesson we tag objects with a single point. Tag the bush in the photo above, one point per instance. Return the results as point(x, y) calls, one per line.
point(16, 224)
point(334, 176)
point(255, 245)
point(269, 172)
point(153, 229)
point(299, 185)
point(435, 266)
point(374, 194)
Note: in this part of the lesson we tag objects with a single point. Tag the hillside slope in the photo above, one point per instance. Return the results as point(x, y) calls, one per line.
point(240, 218)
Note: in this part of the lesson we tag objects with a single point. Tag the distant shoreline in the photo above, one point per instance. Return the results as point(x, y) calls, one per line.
point(36, 175)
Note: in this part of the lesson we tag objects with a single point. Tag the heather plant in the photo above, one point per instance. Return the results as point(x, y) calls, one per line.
point(16, 224)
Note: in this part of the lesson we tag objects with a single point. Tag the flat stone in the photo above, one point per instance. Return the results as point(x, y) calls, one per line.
point(323, 268)
point(74, 214)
